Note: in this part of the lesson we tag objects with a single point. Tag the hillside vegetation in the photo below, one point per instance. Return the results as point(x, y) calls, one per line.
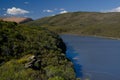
point(83, 23)
point(32, 53)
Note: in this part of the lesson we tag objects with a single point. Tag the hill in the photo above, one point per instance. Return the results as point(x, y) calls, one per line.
point(83, 23)
point(32, 53)
point(17, 19)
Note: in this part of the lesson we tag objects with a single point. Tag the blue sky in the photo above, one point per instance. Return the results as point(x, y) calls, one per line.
point(41, 8)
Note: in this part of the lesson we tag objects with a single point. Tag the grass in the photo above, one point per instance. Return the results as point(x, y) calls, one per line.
point(83, 23)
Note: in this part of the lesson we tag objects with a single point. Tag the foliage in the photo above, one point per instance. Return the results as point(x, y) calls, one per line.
point(56, 78)
point(18, 43)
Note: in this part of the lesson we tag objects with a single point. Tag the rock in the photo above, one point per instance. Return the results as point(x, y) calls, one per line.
point(34, 63)
point(28, 65)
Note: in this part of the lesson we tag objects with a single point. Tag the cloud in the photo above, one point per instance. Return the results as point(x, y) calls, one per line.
point(56, 9)
point(113, 10)
point(48, 11)
point(62, 9)
point(3, 9)
point(62, 12)
point(4, 14)
point(26, 2)
point(16, 11)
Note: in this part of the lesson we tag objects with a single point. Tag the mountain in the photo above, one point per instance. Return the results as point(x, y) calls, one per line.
point(17, 19)
point(83, 23)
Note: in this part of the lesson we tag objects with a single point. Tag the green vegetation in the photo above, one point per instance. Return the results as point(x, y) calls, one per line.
point(83, 23)
point(32, 53)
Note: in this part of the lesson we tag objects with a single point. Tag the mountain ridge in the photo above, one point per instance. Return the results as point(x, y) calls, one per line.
point(17, 19)
point(83, 23)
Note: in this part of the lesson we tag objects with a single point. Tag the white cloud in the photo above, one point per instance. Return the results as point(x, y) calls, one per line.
point(56, 9)
point(62, 12)
point(62, 9)
point(16, 11)
point(4, 14)
point(53, 15)
point(48, 11)
point(26, 2)
point(3, 9)
point(113, 10)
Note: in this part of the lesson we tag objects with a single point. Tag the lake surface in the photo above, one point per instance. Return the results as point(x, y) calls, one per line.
point(94, 58)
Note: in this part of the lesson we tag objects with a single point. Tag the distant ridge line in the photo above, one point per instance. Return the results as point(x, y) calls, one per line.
point(17, 19)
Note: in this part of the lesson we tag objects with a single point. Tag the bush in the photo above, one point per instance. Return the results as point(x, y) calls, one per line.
point(19, 42)
point(56, 78)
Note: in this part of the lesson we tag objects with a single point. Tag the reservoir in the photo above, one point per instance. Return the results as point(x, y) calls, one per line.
point(94, 58)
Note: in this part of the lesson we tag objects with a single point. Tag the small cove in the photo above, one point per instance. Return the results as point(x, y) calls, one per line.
point(94, 58)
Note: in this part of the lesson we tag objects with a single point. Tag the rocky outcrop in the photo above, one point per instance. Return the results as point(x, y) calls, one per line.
point(17, 19)
point(34, 63)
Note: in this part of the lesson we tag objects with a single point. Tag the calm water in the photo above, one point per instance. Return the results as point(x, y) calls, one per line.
point(94, 58)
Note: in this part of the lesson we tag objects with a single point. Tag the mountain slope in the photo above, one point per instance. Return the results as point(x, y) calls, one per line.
point(32, 53)
point(83, 23)
point(17, 19)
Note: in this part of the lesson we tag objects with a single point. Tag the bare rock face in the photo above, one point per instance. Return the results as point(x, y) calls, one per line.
point(17, 19)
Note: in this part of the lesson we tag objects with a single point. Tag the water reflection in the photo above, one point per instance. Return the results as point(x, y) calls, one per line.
point(72, 55)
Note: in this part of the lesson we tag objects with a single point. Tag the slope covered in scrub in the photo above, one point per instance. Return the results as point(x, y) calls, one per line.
point(32, 53)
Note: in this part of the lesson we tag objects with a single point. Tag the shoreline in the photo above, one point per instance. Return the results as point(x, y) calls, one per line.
point(97, 36)
point(74, 58)
point(107, 37)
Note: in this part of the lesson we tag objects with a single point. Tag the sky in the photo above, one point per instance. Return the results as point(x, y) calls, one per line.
point(41, 8)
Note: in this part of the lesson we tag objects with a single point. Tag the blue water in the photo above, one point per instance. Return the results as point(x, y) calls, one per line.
point(94, 58)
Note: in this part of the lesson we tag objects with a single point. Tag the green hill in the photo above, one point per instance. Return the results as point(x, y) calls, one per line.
point(32, 53)
point(83, 23)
